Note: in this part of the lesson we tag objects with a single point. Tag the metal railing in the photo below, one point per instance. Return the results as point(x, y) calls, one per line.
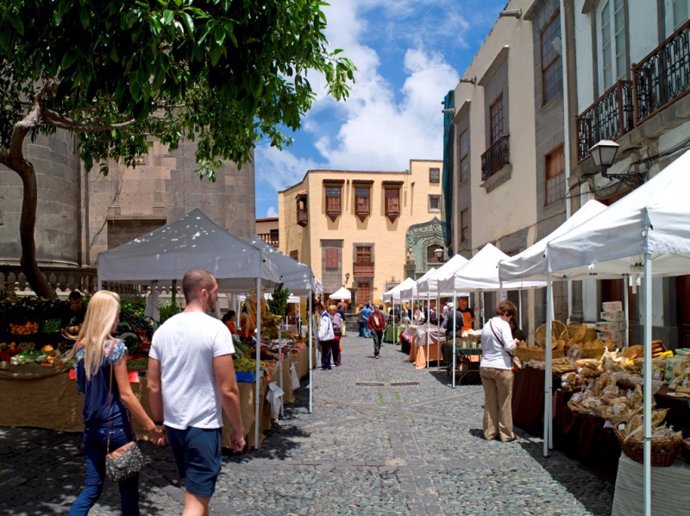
point(664, 75)
point(610, 117)
point(496, 157)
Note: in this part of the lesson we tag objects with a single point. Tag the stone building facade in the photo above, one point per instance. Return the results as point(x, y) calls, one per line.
point(81, 214)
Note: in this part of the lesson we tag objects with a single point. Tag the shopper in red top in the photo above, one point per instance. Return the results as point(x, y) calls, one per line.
point(377, 323)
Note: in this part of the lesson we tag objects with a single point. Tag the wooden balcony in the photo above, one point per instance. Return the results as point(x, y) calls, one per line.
point(269, 238)
point(609, 118)
point(496, 157)
point(363, 269)
point(663, 76)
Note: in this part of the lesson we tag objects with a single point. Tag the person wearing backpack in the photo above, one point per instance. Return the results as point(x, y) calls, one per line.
point(337, 321)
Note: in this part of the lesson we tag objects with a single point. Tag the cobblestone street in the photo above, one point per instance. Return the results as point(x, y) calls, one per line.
point(383, 438)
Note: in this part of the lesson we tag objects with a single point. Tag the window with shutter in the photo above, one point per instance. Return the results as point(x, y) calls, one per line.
point(555, 177)
point(331, 254)
point(362, 206)
point(392, 203)
point(333, 206)
point(434, 175)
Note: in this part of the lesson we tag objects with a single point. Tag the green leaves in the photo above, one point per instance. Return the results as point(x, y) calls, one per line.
point(224, 73)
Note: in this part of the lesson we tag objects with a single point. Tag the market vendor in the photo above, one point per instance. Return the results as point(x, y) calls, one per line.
point(464, 316)
point(73, 316)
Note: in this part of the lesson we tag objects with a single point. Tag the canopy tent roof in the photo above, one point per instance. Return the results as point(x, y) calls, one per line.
point(193, 241)
point(408, 293)
point(294, 276)
point(481, 273)
point(341, 293)
point(531, 263)
point(445, 271)
point(394, 293)
point(654, 219)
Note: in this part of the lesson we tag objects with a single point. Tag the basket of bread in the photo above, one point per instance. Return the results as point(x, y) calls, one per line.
point(665, 442)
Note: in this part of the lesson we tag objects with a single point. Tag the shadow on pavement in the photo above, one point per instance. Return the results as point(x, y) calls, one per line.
point(570, 474)
point(445, 378)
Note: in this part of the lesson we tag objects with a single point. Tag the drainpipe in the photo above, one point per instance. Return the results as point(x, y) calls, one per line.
point(566, 131)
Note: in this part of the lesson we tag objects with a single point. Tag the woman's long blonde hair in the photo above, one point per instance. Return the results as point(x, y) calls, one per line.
point(101, 314)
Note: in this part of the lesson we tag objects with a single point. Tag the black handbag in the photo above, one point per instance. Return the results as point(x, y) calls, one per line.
point(127, 460)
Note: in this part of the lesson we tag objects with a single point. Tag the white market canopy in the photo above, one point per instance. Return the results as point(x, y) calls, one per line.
point(341, 293)
point(394, 293)
point(294, 276)
point(532, 263)
point(481, 273)
point(407, 294)
point(654, 219)
point(445, 271)
point(193, 241)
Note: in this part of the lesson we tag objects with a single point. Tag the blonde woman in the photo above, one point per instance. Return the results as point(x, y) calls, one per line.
point(105, 414)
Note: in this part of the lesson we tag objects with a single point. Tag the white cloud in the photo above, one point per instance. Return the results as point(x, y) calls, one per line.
point(271, 211)
point(384, 123)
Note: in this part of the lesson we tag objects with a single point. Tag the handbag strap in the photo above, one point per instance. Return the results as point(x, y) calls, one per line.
point(496, 335)
point(110, 400)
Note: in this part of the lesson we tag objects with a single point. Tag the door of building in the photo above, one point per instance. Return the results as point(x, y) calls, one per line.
point(364, 291)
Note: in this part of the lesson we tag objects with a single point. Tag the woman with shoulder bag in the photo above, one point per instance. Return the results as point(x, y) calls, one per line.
point(496, 372)
point(337, 321)
point(101, 364)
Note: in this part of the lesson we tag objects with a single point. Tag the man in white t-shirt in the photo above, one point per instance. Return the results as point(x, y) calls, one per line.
point(191, 377)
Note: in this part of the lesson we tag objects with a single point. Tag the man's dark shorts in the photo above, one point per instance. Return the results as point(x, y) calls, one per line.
point(197, 453)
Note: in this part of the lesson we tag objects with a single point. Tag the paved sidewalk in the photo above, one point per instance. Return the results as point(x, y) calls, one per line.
point(383, 438)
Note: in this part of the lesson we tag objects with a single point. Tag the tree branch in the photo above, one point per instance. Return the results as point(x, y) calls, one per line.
point(61, 121)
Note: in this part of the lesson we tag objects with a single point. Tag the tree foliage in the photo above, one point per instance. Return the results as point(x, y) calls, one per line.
point(224, 73)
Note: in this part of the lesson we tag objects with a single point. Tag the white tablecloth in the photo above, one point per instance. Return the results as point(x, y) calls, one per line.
point(670, 489)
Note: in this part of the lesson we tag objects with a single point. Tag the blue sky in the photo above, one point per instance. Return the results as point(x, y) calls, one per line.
point(408, 53)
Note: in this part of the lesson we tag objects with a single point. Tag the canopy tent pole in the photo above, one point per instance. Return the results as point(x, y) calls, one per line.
point(280, 364)
point(311, 364)
point(627, 310)
point(428, 316)
point(257, 380)
point(454, 333)
point(395, 340)
point(438, 330)
point(548, 365)
point(519, 307)
point(647, 377)
point(483, 310)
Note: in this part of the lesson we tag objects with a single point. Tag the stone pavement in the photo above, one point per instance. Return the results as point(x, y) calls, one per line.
point(383, 438)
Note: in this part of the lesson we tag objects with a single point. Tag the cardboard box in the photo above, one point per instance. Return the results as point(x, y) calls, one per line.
point(616, 337)
point(612, 316)
point(611, 326)
point(612, 306)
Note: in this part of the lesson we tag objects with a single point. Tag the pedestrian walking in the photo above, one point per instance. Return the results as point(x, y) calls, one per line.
point(101, 364)
point(367, 311)
point(377, 323)
point(326, 337)
point(362, 321)
point(496, 372)
point(337, 322)
point(191, 381)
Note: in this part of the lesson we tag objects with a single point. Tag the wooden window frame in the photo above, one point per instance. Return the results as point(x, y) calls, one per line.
point(554, 184)
point(362, 209)
point(464, 225)
point(434, 175)
point(389, 187)
point(438, 198)
point(333, 203)
point(551, 85)
point(302, 210)
point(331, 259)
point(464, 157)
point(496, 119)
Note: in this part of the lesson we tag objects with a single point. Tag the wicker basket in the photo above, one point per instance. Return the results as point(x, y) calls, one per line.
point(663, 453)
point(559, 331)
point(536, 353)
point(581, 333)
point(685, 448)
point(592, 352)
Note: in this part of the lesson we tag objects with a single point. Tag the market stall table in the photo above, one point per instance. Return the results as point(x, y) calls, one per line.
point(467, 358)
point(53, 402)
point(671, 496)
point(430, 349)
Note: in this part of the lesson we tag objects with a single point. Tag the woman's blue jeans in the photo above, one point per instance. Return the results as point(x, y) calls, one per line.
point(95, 440)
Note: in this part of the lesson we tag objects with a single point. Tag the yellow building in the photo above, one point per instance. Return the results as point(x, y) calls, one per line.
point(351, 226)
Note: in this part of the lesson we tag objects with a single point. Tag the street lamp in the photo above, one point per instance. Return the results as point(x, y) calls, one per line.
point(438, 252)
point(604, 153)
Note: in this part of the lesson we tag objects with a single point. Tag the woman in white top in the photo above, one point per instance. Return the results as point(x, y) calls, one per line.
point(326, 337)
point(496, 372)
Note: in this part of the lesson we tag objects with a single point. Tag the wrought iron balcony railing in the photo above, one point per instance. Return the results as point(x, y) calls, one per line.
point(496, 157)
point(609, 118)
point(664, 75)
